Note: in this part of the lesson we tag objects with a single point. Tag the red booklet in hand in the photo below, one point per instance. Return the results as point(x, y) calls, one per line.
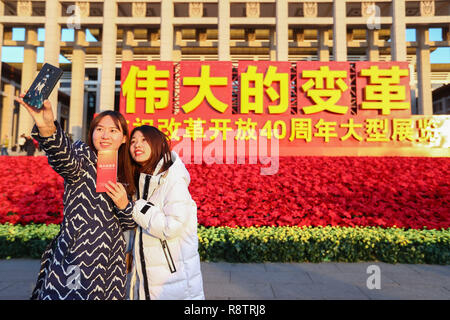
point(106, 169)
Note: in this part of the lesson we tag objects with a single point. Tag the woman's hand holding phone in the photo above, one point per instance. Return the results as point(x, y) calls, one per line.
point(43, 117)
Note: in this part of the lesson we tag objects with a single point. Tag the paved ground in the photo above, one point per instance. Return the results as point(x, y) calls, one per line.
point(288, 281)
point(23, 153)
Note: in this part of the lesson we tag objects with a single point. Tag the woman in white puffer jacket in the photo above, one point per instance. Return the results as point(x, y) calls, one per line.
point(166, 263)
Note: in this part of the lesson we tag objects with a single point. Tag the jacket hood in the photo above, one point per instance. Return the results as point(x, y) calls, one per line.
point(177, 169)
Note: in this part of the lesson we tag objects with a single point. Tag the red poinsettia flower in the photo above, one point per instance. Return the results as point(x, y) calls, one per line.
point(306, 191)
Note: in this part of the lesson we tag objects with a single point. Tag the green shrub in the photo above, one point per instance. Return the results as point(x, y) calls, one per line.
point(319, 244)
point(276, 244)
point(17, 241)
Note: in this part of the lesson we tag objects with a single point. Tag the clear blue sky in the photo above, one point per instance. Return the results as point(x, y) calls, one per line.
point(15, 54)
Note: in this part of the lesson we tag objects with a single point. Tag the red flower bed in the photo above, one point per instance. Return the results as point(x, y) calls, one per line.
point(345, 191)
point(30, 191)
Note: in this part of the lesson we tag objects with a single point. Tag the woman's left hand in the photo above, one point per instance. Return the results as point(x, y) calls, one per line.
point(118, 194)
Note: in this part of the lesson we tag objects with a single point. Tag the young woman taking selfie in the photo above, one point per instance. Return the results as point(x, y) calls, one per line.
point(86, 260)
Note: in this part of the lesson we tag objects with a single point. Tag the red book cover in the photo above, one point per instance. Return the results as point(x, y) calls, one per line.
point(106, 169)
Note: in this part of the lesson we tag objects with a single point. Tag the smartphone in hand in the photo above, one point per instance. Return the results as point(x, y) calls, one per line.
point(42, 85)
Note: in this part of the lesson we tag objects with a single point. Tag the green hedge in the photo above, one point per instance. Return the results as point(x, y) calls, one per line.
point(17, 241)
point(319, 244)
point(276, 244)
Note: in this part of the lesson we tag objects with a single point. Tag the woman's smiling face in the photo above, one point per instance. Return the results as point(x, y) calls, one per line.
point(107, 136)
point(140, 149)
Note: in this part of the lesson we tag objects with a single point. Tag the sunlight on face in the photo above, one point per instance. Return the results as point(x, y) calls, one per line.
point(140, 149)
point(107, 136)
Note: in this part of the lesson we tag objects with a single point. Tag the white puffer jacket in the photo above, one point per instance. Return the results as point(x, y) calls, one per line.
point(167, 219)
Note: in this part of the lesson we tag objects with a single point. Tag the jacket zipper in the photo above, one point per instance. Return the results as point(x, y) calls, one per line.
point(168, 256)
point(141, 247)
point(146, 186)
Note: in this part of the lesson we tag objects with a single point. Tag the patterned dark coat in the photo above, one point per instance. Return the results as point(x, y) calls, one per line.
point(86, 260)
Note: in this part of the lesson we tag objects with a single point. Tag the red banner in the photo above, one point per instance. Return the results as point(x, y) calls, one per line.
point(306, 108)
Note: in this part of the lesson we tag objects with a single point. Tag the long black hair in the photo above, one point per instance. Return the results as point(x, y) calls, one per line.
point(160, 147)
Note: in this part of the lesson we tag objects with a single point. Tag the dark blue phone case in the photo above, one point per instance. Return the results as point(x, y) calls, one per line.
point(42, 85)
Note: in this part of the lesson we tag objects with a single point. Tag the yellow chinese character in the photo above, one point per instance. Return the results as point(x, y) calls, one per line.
point(169, 127)
point(383, 93)
point(325, 130)
point(377, 129)
point(220, 125)
point(402, 130)
point(283, 95)
point(351, 130)
point(427, 130)
point(139, 122)
point(246, 130)
point(325, 99)
point(252, 97)
point(194, 128)
point(301, 129)
point(154, 98)
point(205, 82)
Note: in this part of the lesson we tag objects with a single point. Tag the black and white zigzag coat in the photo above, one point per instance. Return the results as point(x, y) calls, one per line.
point(86, 260)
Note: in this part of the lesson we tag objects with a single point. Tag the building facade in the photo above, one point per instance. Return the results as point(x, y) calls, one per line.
point(225, 30)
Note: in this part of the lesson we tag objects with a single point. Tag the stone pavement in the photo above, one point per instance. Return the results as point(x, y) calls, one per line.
point(287, 281)
point(23, 153)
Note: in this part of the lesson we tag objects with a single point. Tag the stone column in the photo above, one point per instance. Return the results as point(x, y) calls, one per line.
point(339, 31)
point(6, 116)
point(29, 69)
point(77, 86)
point(7, 112)
point(372, 47)
point(398, 31)
point(425, 98)
point(176, 53)
point(52, 43)
point(2, 12)
point(273, 48)
point(127, 47)
point(138, 10)
point(324, 53)
point(166, 47)
point(282, 30)
point(98, 89)
point(224, 30)
point(109, 37)
point(447, 29)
